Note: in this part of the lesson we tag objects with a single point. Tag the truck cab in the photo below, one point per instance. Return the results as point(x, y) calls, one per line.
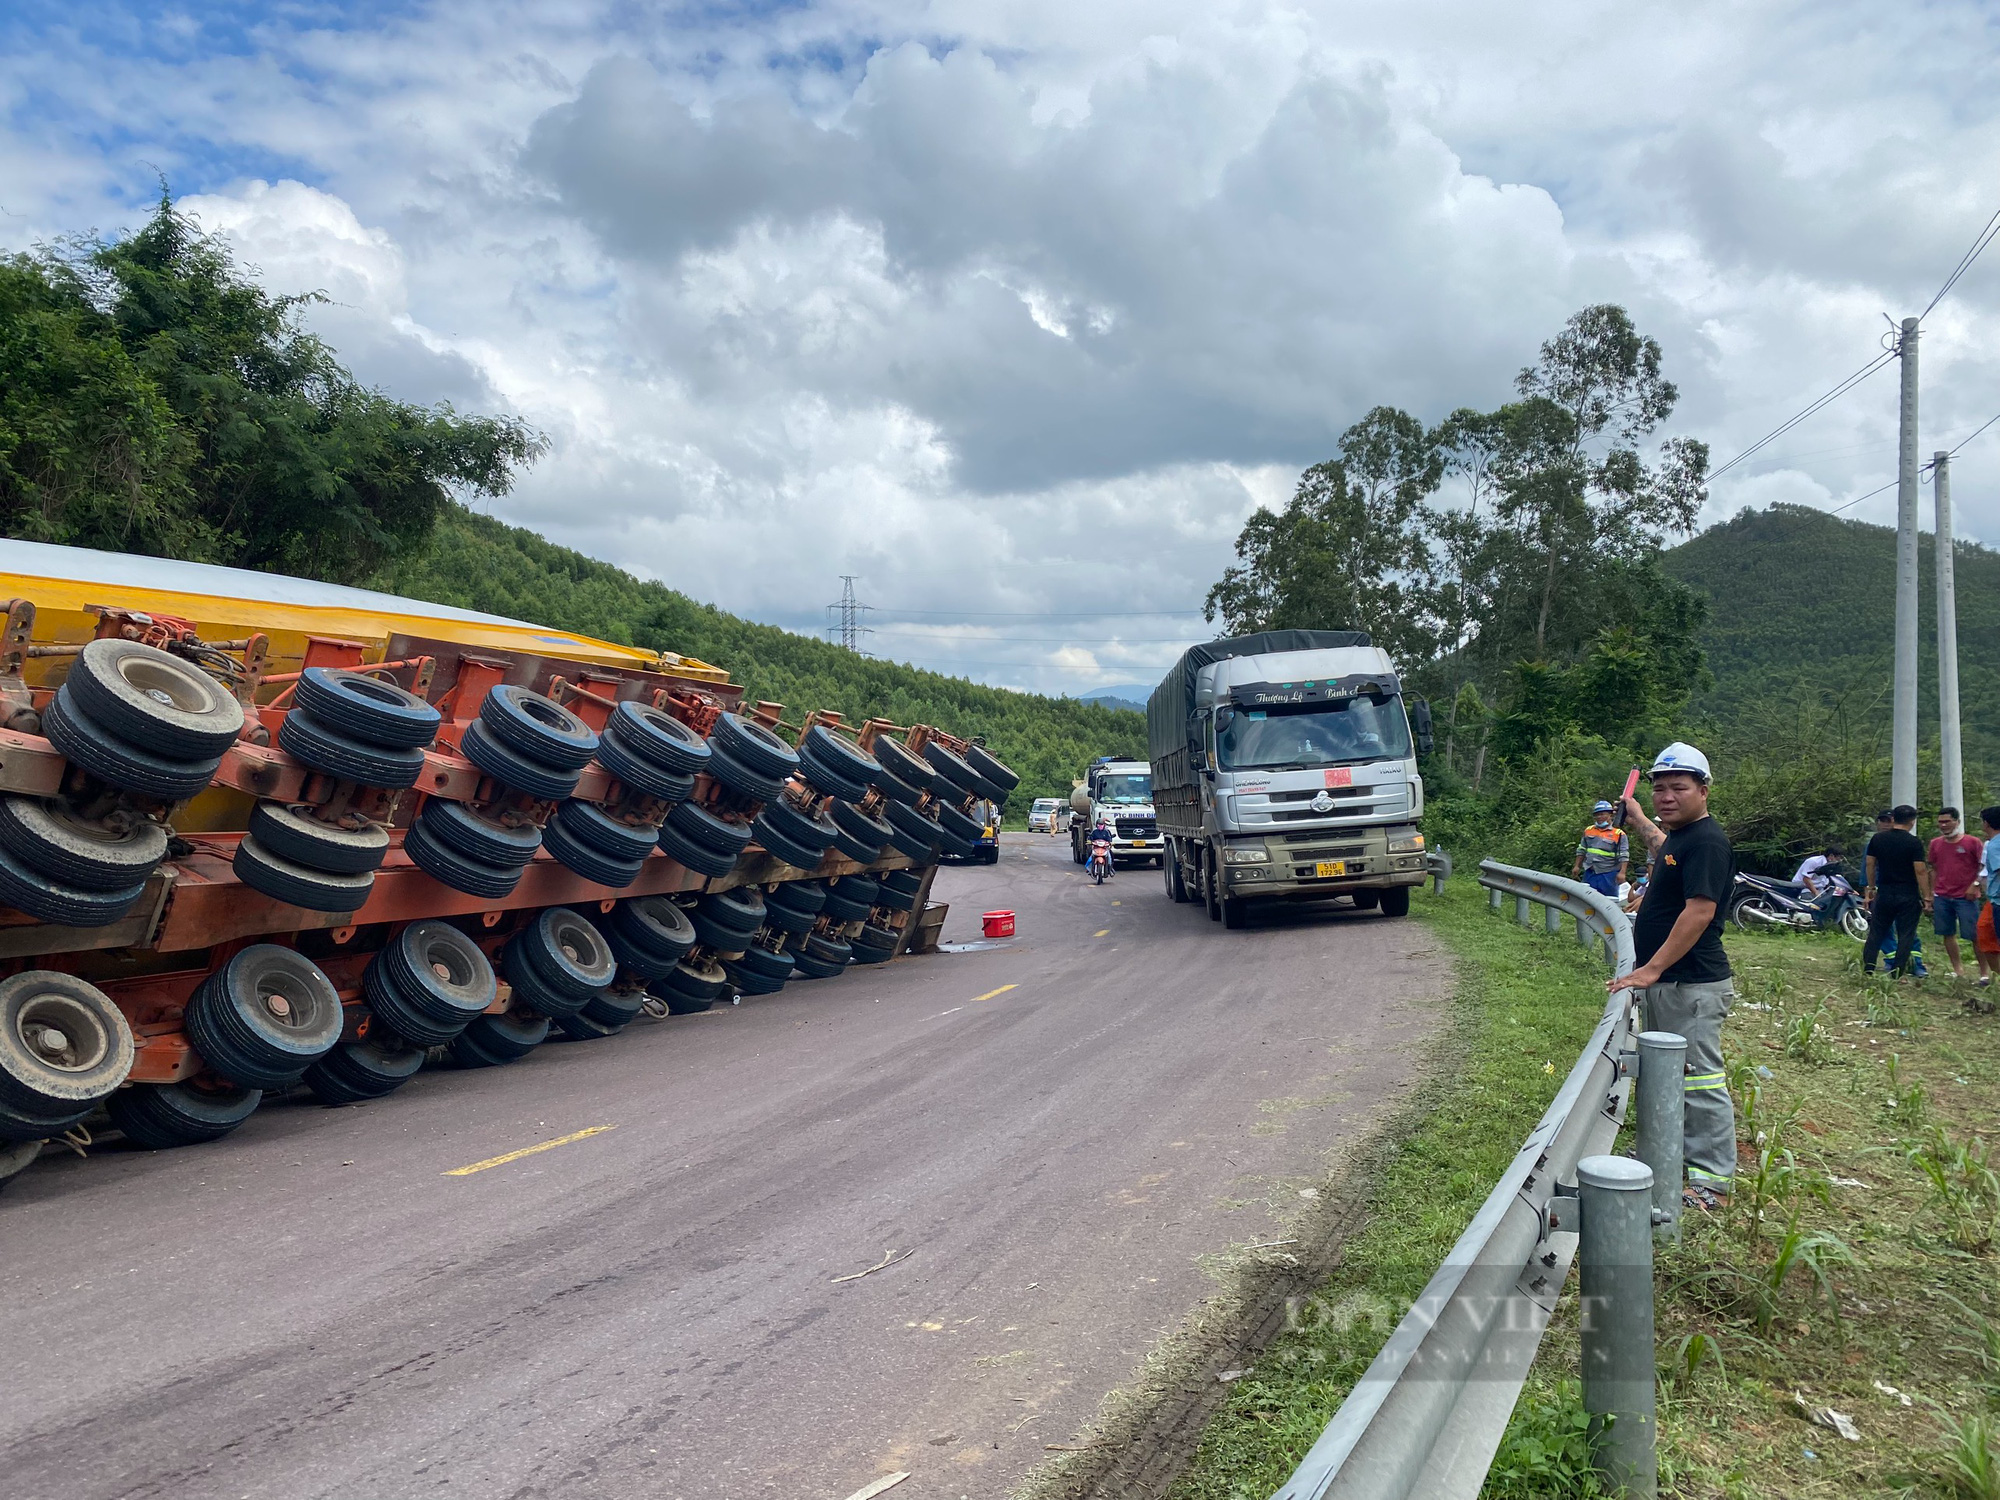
point(1120, 792)
point(1289, 774)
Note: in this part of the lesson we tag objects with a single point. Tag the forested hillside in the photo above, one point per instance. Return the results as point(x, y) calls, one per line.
point(1800, 600)
point(479, 563)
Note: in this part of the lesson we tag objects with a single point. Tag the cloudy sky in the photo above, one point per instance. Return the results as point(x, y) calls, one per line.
point(1016, 309)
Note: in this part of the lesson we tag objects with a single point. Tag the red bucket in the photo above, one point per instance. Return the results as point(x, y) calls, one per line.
point(998, 923)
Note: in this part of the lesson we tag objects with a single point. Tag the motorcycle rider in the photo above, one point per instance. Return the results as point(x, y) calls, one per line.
point(1603, 853)
point(1100, 844)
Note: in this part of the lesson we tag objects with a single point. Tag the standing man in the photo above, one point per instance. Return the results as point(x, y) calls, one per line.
point(1683, 974)
point(1602, 853)
point(1899, 888)
point(1957, 861)
point(1987, 940)
point(1885, 822)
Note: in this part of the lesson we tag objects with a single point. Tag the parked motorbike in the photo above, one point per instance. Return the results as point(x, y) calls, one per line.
point(1760, 902)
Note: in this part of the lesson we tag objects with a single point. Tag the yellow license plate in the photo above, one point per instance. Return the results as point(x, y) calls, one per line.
point(1329, 867)
point(1139, 843)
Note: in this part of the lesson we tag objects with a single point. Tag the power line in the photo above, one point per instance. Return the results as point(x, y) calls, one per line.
point(1980, 242)
point(1831, 396)
point(1879, 489)
point(1047, 640)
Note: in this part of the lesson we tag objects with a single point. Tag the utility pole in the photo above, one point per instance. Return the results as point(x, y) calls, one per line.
point(844, 618)
point(1953, 767)
point(1903, 724)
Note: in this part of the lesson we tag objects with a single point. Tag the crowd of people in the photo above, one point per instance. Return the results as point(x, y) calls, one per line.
point(1681, 891)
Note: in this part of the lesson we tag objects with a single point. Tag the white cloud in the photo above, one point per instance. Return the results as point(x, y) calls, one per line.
point(1018, 309)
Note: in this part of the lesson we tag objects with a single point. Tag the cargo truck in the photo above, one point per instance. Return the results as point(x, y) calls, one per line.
point(1285, 769)
point(260, 832)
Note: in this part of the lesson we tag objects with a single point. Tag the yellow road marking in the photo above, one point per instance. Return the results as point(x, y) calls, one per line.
point(1105, 932)
point(991, 993)
point(501, 1161)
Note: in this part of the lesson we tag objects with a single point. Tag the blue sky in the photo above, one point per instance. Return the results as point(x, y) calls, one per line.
point(1017, 309)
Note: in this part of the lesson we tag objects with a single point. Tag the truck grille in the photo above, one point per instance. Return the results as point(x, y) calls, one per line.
point(1137, 828)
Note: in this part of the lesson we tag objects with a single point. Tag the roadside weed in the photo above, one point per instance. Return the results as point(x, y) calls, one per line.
point(1973, 1466)
point(1807, 1037)
point(1545, 1453)
point(1964, 1186)
point(1906, 1100)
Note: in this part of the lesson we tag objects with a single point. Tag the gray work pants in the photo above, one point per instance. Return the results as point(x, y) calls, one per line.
point(1697, 1011)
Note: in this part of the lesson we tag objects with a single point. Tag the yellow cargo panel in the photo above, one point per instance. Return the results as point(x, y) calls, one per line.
point(228, 603)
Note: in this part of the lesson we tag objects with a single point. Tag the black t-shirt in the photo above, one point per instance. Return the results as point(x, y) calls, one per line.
point(1694, 863)
point(1897, 853)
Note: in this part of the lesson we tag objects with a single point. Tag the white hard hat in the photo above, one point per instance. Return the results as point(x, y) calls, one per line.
point(1680, 756)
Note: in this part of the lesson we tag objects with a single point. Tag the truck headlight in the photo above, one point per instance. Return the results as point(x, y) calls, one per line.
point(1245, 856)
point(1409, 843)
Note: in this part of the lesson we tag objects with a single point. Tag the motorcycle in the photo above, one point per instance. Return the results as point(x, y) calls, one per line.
point(1760, 902)
point(1100, 860)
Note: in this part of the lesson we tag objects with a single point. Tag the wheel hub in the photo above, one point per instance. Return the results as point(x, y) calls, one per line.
point(278, 1006)
point(50, 1042)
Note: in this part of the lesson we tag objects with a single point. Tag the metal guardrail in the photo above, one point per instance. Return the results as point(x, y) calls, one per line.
point(1427, 1417)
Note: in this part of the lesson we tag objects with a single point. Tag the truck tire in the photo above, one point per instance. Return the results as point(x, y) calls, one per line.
point(264, 1017)
point(904, 771)
point(320, 746)
point(460, 872)
point(1170, 863)
point(658, 738)
point(371, 1068)
point(295, 884)
point(691, 988)
point(1396, 901)
point(149, 697)
point(750, 744)
point(691, 855)
point(654, 928)
point(46, 835)
point(493, 1041)
point(441, 973)
point(513, 770)
point(1211, 883)
point(63, 1044)
point(482, 840)
point(1235, 912)
point(593, 864)
point(48, 900)
point(1367, 900)
point(292, 834)
point(367, 708)
point(535, 725)
point(637, 774)
point(129, 767)
point(161, 1116)
point(746, 781)
point(992, 768)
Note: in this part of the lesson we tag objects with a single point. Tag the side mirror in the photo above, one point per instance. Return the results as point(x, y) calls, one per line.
point(1420, 725)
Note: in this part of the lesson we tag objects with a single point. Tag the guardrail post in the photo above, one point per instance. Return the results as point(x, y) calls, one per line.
point(1661, 1106)
point(1521, 904)
point(1615, 1275)
point(1494, 900)
point(1584, 935)
point(1552, 919)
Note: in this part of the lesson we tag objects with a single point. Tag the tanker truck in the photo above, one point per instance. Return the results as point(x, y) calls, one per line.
point(1121, 792)
point(1284, 769)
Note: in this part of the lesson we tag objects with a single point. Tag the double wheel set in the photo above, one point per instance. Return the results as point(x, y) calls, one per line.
point(270, 1019)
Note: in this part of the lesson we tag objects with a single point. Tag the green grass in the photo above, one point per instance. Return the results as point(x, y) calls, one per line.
point(1857, 1252)
point(1523, 1007)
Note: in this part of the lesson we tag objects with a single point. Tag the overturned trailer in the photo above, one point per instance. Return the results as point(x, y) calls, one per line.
point(258, 831)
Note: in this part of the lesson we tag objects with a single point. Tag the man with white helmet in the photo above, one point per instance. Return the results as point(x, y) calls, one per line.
point(1682, 972)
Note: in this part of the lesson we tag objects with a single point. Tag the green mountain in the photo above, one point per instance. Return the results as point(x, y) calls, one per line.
point(1802, 610)
point(476, 562)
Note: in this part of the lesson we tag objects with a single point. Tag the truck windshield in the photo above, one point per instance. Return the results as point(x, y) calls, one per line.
point(1304, 735)
point(1131, 791)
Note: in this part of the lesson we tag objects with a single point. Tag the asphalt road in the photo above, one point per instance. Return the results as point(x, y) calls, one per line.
point(1049, 1134)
